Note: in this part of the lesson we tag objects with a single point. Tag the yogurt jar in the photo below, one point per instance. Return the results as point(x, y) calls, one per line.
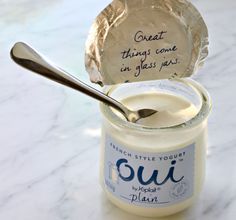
point(144, 52)
point(155, 167)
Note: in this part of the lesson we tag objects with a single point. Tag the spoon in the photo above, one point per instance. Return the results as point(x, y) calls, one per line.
point(27, 57)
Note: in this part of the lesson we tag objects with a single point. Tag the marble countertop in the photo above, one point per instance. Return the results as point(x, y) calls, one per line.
point(50, 135)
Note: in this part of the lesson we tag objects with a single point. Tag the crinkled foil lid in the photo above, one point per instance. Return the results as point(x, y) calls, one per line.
point(139, 40)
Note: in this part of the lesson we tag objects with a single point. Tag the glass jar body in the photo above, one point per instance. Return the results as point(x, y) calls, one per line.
point(148, 143)
point(152, 172)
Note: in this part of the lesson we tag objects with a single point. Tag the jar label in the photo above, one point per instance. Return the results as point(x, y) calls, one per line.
point(149, 179)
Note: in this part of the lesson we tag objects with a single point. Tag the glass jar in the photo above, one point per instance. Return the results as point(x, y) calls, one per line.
point(154, 171)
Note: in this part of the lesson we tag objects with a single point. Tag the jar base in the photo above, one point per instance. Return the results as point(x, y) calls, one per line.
point(150, 212)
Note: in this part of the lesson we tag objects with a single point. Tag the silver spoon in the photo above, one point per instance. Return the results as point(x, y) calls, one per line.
point(27, 57)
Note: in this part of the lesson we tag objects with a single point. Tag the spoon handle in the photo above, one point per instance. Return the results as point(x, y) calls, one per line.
point(27, 57)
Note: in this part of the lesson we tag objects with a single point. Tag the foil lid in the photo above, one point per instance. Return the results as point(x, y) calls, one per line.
point(139, 40)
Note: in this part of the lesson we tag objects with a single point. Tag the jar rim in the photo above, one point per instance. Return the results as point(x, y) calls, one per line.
point(202, 114)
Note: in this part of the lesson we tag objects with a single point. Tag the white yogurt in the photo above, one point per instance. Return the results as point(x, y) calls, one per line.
point(171, 109)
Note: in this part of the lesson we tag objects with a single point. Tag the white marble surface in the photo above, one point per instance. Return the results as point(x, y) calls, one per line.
point(49, 135)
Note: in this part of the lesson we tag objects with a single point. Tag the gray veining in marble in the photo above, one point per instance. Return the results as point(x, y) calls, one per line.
point(47, 146)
